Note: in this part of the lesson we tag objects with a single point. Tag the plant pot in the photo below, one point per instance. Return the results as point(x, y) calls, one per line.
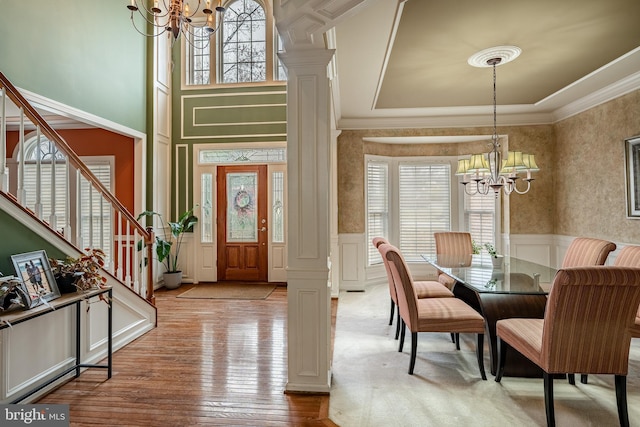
point(497, 261)
point(66, 283)
point(172, 280)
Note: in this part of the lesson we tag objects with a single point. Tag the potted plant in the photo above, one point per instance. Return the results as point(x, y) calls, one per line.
point(82, 273)
point(168, 244)
point(495, 258)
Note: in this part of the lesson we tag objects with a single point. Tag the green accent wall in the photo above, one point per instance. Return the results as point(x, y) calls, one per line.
point(223, 114)
point(19, 239)
point(84, 54)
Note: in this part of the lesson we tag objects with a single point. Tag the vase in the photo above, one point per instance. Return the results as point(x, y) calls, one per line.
point(172, 280)
point(66, 283)
point(497, 261)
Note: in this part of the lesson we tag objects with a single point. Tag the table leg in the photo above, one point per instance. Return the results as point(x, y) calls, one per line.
point(493, 307)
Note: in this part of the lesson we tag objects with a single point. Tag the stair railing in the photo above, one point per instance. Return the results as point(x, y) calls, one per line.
point(91, 216)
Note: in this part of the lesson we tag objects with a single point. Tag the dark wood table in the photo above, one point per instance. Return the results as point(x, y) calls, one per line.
point(515, 288)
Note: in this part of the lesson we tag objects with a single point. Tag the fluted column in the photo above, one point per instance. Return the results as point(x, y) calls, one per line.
point(308, 236)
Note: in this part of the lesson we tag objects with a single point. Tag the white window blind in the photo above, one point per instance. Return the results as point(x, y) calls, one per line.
point(377, 206)
point(46, 187)
point(95, 214)
point(479, 217)
point(424, 206)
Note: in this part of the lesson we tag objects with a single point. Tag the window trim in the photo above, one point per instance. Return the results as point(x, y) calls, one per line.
point(216, 63)
point(456, 198)
point(393, 192)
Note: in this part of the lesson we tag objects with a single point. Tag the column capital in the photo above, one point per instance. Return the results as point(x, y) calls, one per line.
point(298, 58)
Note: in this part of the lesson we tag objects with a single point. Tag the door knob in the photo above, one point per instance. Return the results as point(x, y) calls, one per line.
point(263, 229)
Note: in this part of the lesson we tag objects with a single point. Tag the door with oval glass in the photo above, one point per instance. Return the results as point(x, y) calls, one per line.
point(242, 223)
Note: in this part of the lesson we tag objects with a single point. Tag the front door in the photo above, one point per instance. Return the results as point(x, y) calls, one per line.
point(242, 223)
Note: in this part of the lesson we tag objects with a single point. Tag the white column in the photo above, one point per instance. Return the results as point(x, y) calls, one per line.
point(333, 223)
point(309, 181)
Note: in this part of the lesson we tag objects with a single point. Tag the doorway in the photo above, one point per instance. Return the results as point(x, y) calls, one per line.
point(242, 224)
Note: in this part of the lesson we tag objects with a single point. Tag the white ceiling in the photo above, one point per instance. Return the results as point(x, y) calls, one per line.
point(404, 63)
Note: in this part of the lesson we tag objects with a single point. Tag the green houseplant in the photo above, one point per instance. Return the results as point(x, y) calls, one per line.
point(495, 258)
point(168, 243)
point(82, 273)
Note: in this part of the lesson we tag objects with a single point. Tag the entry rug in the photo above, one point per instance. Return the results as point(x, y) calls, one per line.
point(230, 290)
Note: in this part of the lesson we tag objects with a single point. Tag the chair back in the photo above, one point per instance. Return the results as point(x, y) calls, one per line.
point(406, 294)
point(585, 251)
point(377, 242)
point(588, 318)
point(453, 243)
point(629, 256)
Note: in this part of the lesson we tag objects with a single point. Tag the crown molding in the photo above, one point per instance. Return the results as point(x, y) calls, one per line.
point(608, 93)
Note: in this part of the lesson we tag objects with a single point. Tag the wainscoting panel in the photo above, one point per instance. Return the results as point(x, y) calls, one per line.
point(352, 262)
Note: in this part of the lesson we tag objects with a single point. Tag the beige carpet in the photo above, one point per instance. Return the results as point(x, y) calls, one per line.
point(230, 290)
point(371, 387)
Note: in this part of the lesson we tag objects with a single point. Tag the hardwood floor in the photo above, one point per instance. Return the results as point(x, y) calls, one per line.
point(209, 362)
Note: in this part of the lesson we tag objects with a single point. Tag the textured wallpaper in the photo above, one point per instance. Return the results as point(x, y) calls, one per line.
point(579, 191)
point(590, 175)
point(530, 213)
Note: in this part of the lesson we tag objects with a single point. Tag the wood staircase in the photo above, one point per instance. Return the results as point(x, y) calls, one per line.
point(100, 220)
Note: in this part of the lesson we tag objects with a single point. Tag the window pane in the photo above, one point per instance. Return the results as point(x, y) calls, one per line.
point(242, 221)
point(377, 207)
point(277, 213)
point(207, 208)
point(479, 212)
point(424, 206)
point(198, 54)
point(96, 214)
point(244, 40)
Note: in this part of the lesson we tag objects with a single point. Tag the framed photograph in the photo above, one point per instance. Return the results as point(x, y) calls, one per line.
point(36, 275)
point(632, 166)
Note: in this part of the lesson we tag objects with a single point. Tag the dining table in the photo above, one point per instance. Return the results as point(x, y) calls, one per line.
point(499, 288)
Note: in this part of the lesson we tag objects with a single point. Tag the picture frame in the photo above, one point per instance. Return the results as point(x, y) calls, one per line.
point(37, 278)
point(632, 168)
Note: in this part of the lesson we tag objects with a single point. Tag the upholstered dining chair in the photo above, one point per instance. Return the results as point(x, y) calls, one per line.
point(452, 243)
point(629, 256)
point(586, 328)
point(430, 314)
point(424, 289)
point(585, 251)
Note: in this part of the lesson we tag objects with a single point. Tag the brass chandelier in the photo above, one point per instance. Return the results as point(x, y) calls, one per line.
point(176, 18)
point(485, 172)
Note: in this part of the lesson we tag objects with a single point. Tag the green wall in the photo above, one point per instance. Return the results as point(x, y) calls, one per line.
point(19, 239)
point(84, 54)
point(224, 115)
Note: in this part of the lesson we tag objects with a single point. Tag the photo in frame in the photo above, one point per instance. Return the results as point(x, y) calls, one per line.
point(35, 272)
point(632, 167)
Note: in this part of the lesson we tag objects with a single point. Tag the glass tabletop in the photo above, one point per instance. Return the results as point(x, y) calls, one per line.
point(508, 275)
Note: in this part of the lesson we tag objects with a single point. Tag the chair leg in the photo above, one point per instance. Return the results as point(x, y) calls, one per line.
point(480, 354)
point(393, 306)
point(398, 321)
point(571, 378)
point(457, 341)
point(621, 399)
point(453, 337)
point(403, 326)
point(584, 378)
point(502, 357)
point(414, 350)
point(548, 399)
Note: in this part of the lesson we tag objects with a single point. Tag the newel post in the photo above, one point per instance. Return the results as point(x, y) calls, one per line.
point(149, 244)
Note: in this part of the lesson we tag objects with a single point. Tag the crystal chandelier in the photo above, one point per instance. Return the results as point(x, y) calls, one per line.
point(484, 172)
point(175, 17)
